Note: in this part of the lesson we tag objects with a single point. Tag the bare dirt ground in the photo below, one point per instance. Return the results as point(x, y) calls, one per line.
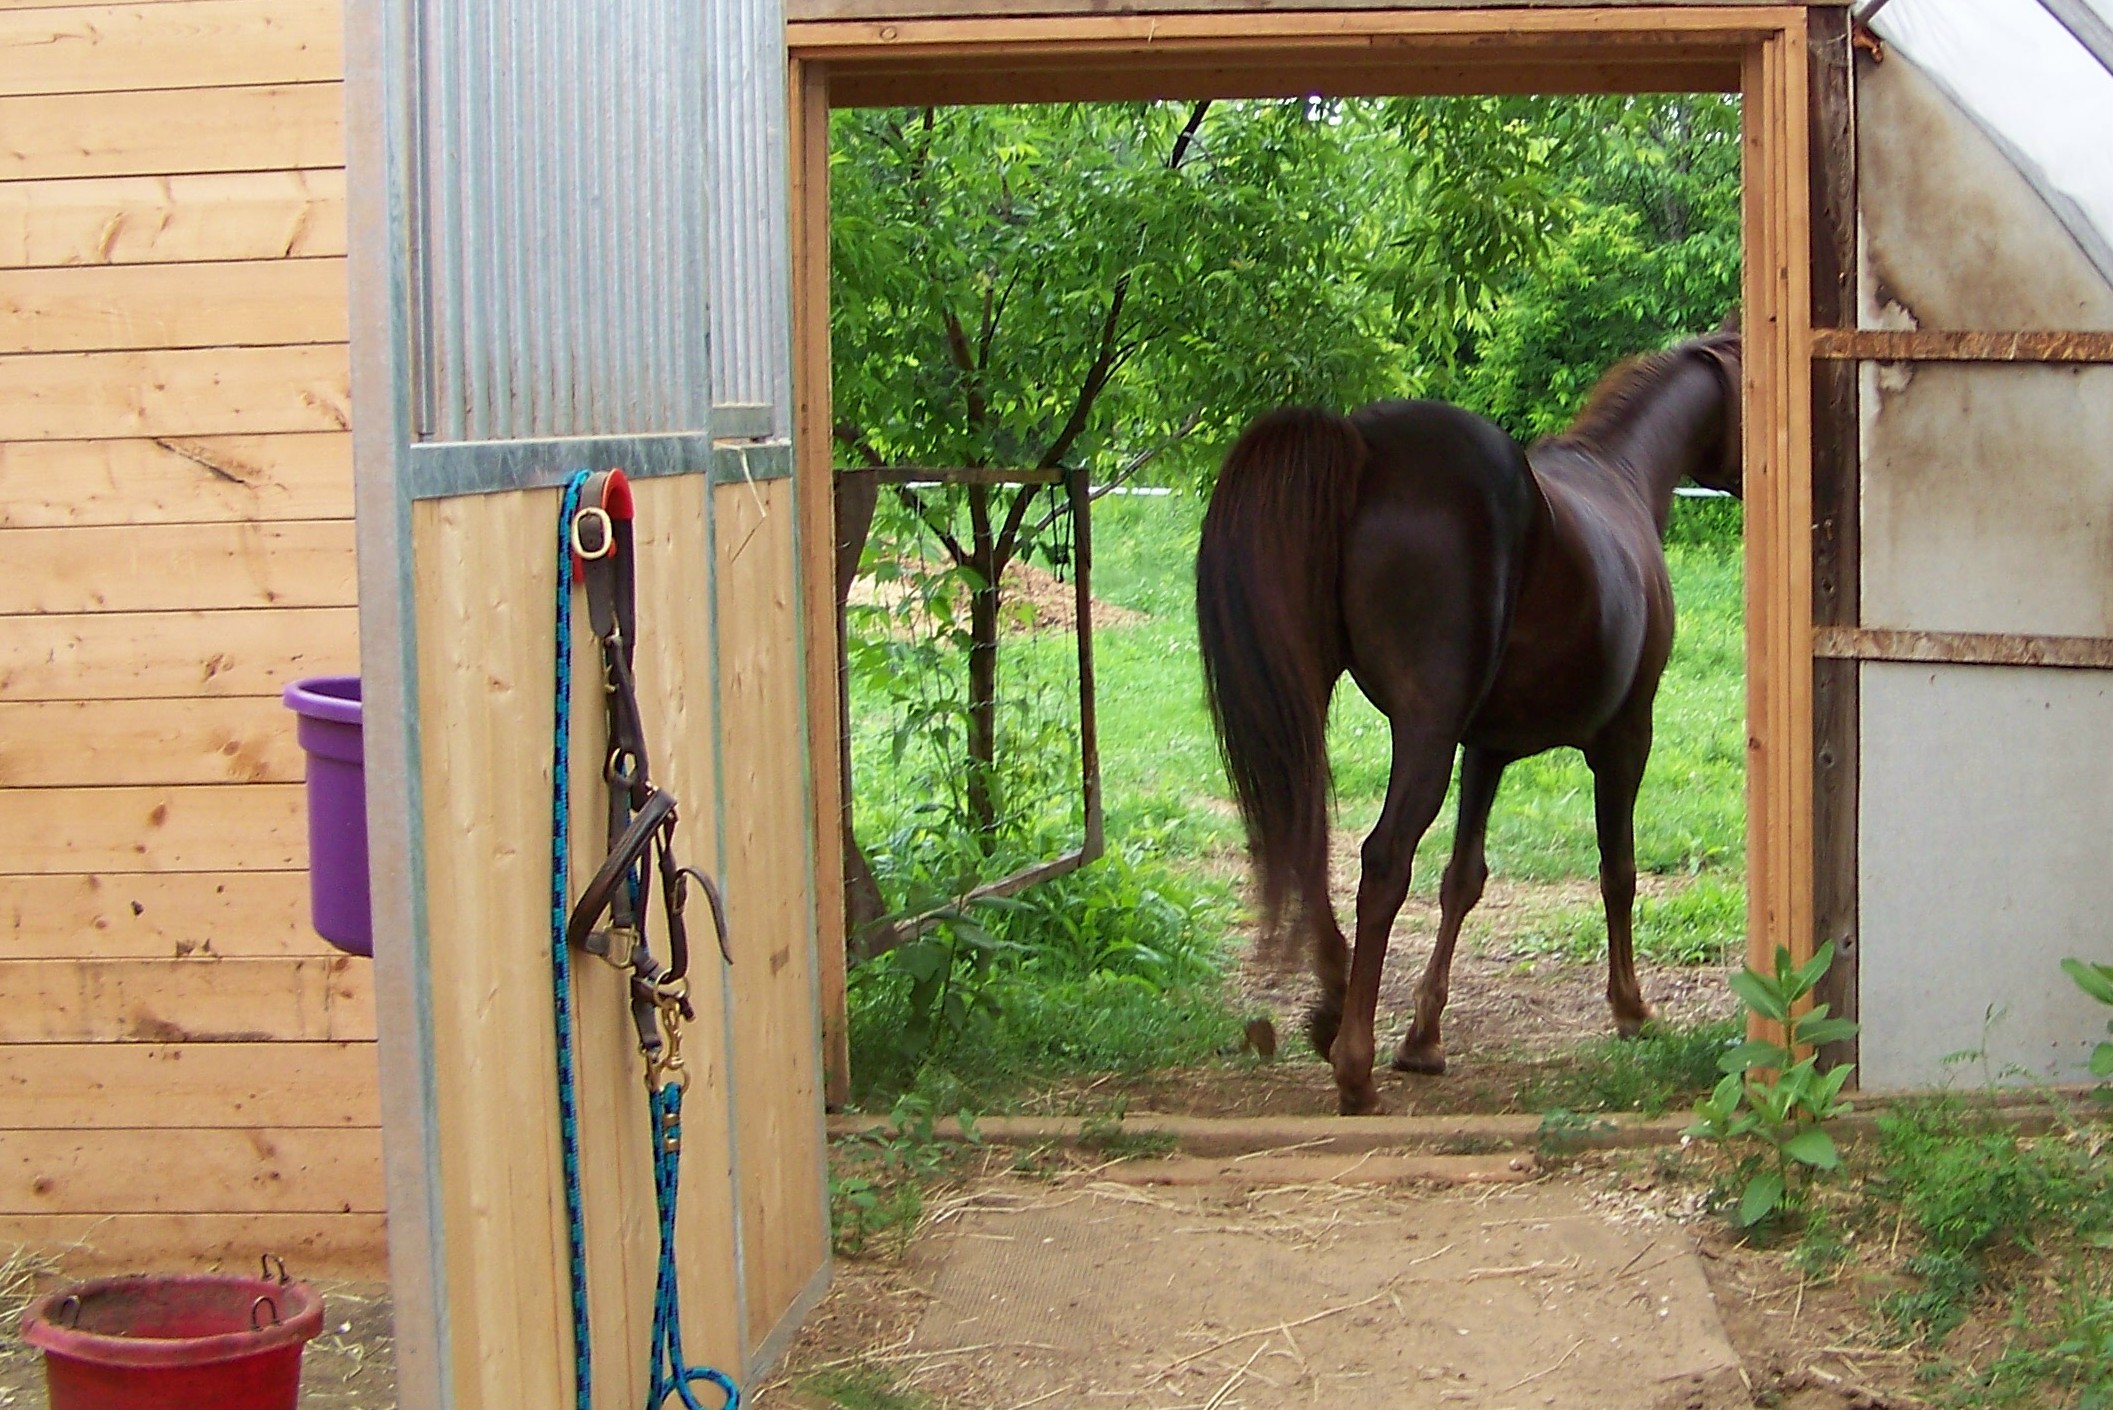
point(1600, 1285)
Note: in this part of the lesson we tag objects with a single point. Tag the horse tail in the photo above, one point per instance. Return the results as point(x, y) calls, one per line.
point(1270, 623)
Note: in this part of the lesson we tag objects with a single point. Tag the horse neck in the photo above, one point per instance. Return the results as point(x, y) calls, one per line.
point(1674, 432)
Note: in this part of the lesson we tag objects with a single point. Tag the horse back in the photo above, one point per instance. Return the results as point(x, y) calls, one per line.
point(1447, 512)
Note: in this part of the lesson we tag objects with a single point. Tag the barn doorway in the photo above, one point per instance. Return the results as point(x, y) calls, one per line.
point(856, 64)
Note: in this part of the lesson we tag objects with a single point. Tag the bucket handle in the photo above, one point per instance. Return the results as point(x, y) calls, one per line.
point(68, 1313)
point(267, 1300)
point(270, 1261)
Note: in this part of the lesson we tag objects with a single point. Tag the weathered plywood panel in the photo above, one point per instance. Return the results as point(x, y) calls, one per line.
point(154, 1086)
point(1988, 499)
point(211, 827)
point(1952, 235)
point(196, 392)
point(313, 1245)
point(1987, 799)
point(264, 215)
point(170, 133)
point(777, 1041)
point(64, 743)
point(166, 655)
point(145, 916)
point(285, 1171)
point(304, 563)
point(210, 479)
point(103, 307)
point(190, 44)
point(187, 1001)
point(485, 577)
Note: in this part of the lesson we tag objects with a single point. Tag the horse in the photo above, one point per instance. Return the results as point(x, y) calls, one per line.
point(1501, 600)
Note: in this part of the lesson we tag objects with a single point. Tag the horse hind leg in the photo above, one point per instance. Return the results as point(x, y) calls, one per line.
point(1423, 1047)
point(1415, 790)
point(1331, 966)
point(1617, 773)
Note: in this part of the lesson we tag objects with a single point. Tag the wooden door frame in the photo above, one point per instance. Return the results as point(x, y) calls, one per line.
point(1759, 51)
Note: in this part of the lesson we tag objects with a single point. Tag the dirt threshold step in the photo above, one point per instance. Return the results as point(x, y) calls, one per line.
point(1330, 1135)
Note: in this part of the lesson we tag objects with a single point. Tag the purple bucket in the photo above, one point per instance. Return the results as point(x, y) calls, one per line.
point(329, 711)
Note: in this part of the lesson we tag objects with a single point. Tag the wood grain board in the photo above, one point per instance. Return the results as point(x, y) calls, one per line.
point(181, 393)
point(140, 915)
point(173, 133)
point(328, 1245)
point(206, 480)
point(172, 655)
point(190, 44)
point(128, 568)
point(96, 308)
point(154, 1086)
point(187, 1001)
point(210, 827)
point(299, 1170)
point(126, 220)
point(84, 743)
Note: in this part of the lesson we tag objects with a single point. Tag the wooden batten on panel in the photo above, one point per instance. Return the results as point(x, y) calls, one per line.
point(125, 220)
point(815, 479)
point(139, 915)
point(154, 1086)
point(209, 827)
point(100, 308)
point(778, 1102)
point(169, 133)
point(196, 392)
point(77, 743)
point(187, 1001)
point(208, 479)
point(138, 568)
point(175, 44)
point(173, 655)
point(326, 1245)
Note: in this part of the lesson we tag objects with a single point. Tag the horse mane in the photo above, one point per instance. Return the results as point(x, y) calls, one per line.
point(1623, 389)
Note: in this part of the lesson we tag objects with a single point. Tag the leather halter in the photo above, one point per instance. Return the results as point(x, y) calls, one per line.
point(641, 817)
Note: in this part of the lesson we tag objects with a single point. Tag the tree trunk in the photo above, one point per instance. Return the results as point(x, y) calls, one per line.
point(983, 673)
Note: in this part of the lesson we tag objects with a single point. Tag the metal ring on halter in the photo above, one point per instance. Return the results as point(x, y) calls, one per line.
point(601, 516)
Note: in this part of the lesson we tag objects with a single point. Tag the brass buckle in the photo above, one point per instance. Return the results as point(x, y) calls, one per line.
point(668, 999)
point(600, 516)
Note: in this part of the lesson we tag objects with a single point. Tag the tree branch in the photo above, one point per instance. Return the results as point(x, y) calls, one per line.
point(1009, 536)
point(851, 437)
point(961, 556)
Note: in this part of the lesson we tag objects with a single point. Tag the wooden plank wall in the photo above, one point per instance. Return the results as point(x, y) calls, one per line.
point(186, 1071)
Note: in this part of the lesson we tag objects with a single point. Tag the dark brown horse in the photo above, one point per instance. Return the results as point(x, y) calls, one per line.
point(1501, 600)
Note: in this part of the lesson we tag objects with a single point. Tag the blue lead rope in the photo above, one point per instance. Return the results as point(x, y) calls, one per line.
point(669, 1374)
point(561, 957)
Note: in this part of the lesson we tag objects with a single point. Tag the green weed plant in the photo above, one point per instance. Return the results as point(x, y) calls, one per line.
point(2096, 980)
point(1770, 1104)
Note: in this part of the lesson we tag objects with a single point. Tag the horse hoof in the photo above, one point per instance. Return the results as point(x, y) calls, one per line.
point(1360, 1104)
point(1428, 1064)
point(1629, 1026)
point(1323, 1022)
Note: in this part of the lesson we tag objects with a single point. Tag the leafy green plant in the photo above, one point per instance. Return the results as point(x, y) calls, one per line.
point(877, 1176)
point(2096, 980)
point(1771, 1102)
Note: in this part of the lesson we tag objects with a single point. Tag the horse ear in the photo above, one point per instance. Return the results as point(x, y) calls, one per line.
point(1730, 323)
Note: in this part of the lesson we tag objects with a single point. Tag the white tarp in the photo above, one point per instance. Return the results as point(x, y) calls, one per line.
point(2033, 87)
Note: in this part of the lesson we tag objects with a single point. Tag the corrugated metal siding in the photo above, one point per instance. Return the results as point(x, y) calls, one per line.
point(561, 190)
point(751, 287)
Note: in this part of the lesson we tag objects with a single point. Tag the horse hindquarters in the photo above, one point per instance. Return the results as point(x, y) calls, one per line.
point(1269, 625)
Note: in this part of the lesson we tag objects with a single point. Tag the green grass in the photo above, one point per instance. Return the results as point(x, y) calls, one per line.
point(1655, 1072)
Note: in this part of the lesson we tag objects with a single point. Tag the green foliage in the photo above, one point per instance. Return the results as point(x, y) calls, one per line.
point(1660, 1068)
point(1770, 1103)
point(862, 1388)
point(877, 1177)
point(2096, 980)
point(1973, 1190)
point(1105, 1133)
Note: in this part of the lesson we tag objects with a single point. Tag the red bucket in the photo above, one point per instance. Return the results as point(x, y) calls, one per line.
point(174, 1343)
